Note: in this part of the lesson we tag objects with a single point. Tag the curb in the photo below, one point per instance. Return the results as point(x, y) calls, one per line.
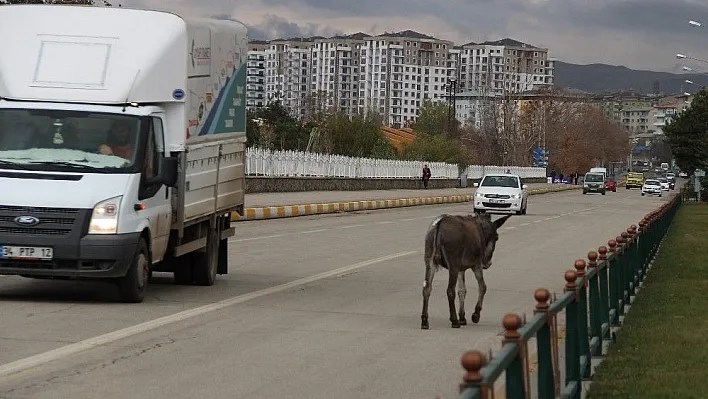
point(286, 211)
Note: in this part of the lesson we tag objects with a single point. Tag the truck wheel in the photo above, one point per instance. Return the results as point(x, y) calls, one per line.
point(132, 286)
point(204, 264)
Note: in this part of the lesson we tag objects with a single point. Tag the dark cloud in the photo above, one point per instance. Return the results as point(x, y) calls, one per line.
point(642, 34)
point(275, 27)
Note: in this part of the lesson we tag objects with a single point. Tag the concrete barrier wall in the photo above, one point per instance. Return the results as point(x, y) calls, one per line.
point(260, 184)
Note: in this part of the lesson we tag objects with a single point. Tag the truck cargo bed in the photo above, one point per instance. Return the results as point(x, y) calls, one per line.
point(214, 178)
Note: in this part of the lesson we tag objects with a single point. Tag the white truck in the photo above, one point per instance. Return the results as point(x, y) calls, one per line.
point(122, 138)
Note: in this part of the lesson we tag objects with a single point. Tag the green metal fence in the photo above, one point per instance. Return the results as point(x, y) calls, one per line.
point(596, 294)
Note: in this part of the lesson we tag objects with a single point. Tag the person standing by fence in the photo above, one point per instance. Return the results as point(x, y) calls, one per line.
point(426, 176)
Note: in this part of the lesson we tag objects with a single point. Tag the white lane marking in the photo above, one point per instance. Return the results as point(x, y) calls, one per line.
point(9, 369)
point(351, 226)
point(312, 231)
point(258, 238)
point(276, 235)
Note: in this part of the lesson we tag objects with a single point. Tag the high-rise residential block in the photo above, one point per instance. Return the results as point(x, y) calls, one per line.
point(393, 74)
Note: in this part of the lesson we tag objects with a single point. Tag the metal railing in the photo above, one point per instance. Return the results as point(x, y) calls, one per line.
point(596, 294)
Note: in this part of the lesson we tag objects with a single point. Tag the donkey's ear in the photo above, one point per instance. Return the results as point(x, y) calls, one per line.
point(499, 222)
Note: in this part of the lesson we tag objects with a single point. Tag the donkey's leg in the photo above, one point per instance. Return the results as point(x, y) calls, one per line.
point(461, 294)
point(451, 283)
point(427, 289)
point(482, 289)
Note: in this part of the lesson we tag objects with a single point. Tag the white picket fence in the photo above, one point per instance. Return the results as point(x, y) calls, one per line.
point(263, 162)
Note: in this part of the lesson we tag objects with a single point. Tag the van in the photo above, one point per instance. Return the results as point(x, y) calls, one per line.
point(594, 183)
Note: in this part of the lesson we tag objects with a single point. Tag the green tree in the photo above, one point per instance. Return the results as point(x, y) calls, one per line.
point(358, 136)
point(435, 119)
point(273, 127)
point(436, 148)
point(687, 135)
point(436, 138)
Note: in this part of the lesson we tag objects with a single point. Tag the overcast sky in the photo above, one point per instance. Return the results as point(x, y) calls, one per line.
point(640, 34)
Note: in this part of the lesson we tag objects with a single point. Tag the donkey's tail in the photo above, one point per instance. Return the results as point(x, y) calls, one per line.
point(437, 252)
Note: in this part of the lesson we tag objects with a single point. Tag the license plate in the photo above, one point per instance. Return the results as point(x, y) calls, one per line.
point(29, 253)
point(496, 201)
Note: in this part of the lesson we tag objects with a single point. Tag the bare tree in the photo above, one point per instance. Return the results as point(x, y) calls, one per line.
point(318, 105)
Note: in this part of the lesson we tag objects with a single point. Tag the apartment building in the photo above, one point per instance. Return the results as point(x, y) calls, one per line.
point(399, 71)
point(505, 66)
point(255, 75)
point(287, 71)
point(392, 73)
point(336, 73)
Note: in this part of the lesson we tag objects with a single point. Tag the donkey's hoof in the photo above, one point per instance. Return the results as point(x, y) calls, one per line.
point(475, 318)
point(424, 326)
point(463, 321)
point(455, 324)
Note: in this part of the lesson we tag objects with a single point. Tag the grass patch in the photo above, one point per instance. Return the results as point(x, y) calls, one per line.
point(662, 348)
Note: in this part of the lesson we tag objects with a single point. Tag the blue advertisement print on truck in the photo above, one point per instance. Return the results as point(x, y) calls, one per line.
point(228, 114)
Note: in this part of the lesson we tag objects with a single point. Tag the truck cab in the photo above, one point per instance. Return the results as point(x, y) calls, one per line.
point(84, 183)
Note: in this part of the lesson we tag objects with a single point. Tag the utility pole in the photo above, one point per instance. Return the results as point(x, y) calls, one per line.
point(451, 89)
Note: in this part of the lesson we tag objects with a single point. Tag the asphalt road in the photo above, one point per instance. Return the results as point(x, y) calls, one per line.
point(314, 307)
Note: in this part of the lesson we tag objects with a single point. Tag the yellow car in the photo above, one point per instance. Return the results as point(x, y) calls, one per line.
point(634, 179)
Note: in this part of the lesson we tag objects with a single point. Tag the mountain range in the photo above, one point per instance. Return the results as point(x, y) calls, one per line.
point(599, 78)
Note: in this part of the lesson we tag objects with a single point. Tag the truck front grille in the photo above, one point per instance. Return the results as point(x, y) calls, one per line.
point(52, 221)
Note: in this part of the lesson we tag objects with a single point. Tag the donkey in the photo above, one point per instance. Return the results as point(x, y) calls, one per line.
point(458, 243)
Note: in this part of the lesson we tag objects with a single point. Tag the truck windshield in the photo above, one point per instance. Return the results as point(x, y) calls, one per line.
point(595, 178)
point(67, 140)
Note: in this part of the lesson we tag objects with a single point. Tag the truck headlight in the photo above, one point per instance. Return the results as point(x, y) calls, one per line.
point(104, 219)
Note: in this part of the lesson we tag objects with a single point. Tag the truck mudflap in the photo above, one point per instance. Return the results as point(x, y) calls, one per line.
point(92, 256)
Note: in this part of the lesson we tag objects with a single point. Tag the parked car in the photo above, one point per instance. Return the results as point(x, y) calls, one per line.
point(665, 186)
point(611, 185)
point(651, 187)
point(500, 193)
point(594, 183)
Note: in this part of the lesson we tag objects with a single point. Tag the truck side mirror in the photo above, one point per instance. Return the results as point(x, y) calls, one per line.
point(168, 173)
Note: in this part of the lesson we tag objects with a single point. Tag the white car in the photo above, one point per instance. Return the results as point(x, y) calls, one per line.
point(500, 193)
point(651, 187)
point(664, 182)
